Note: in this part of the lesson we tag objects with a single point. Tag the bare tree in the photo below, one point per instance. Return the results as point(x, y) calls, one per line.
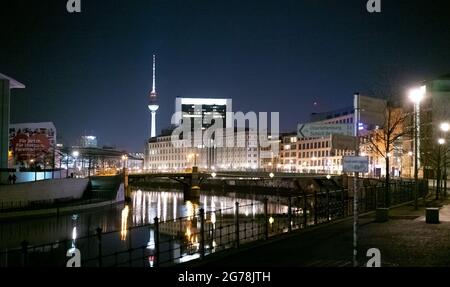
point(436, 159)
point(383, 141)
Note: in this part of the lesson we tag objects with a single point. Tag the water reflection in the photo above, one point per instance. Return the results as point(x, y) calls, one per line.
point(168, 205)
point(124, 223)
point(171, 205)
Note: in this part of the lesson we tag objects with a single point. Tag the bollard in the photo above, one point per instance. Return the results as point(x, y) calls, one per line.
point(24, 245)
point(382, 215)
point(266, 219)
point(181, 236)
point(315, 207)
point(157, 241)
point(236, 217)
point(290, 214)
point(328, 205)
point(305, 208)
point(202, 233)
point(99, 239)
point(432, 215)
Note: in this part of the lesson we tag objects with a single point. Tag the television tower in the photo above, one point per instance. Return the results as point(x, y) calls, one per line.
point(153, 105)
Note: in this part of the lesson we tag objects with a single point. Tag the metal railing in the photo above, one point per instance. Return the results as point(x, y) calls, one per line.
point(166, 243)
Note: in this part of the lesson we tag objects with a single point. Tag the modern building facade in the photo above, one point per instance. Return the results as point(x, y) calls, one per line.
point(202, 112)
point(89, 141)
point(310, 155)
point(164, 153)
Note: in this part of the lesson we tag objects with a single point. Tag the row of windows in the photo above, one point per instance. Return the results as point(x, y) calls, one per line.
point(320, 162)
point(183, 159)
point(316, 145)
point(342, 121)
point(183, 164)
point(304, 146)
point(319, 153)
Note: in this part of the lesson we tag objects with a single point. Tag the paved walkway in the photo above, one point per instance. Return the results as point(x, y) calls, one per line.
point(405, 240)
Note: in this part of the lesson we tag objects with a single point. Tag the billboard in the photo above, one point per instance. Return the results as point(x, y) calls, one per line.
point(31, 141)
point(372, 110)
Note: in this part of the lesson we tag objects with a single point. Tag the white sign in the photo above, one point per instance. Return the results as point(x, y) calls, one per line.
point(355, 163)
point(313, 130)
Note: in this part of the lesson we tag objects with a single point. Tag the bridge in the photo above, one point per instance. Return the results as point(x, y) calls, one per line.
point(192, 181)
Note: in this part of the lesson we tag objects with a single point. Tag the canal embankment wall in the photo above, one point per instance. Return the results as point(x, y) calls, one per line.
point(43, 191)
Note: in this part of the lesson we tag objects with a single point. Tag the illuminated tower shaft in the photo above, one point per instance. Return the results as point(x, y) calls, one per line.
point(153, 105)
point(153, 128)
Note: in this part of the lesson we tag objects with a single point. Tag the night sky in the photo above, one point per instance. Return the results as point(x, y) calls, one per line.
point(91, 72)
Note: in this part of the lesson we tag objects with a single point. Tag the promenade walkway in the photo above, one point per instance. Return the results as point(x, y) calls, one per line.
point(405, 240)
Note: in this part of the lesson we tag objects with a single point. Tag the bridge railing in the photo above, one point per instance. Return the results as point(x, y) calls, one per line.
point(174, 241)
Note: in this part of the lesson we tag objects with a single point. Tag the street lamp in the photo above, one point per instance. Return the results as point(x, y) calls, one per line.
point(445, 127)
point(441, 142)
point(271, 175)
point(34, 167)
point(75, 154)
point(416, 95)
point(124, 159)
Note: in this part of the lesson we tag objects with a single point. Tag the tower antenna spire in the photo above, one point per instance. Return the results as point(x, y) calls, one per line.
point(154, 75)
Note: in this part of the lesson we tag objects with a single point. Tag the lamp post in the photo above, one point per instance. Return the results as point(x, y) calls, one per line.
point(34, 167)
point(124, 159)
point(410, 161)
point(416, 95)
point(445, 127)
point(441, 142)
point(75, 154)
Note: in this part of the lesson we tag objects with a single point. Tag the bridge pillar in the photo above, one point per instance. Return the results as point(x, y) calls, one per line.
point(126, 187)
point(191, 187)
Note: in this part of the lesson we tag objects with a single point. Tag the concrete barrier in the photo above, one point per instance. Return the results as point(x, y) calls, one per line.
point(42, 191)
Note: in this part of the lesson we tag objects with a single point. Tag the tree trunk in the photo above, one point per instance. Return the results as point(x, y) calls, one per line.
point(387, 195)
point(438, 182)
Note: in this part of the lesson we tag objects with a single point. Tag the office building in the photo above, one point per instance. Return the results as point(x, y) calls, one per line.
point(202, 112)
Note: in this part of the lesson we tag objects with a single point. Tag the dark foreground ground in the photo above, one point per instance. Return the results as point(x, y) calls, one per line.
point(405, 240)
